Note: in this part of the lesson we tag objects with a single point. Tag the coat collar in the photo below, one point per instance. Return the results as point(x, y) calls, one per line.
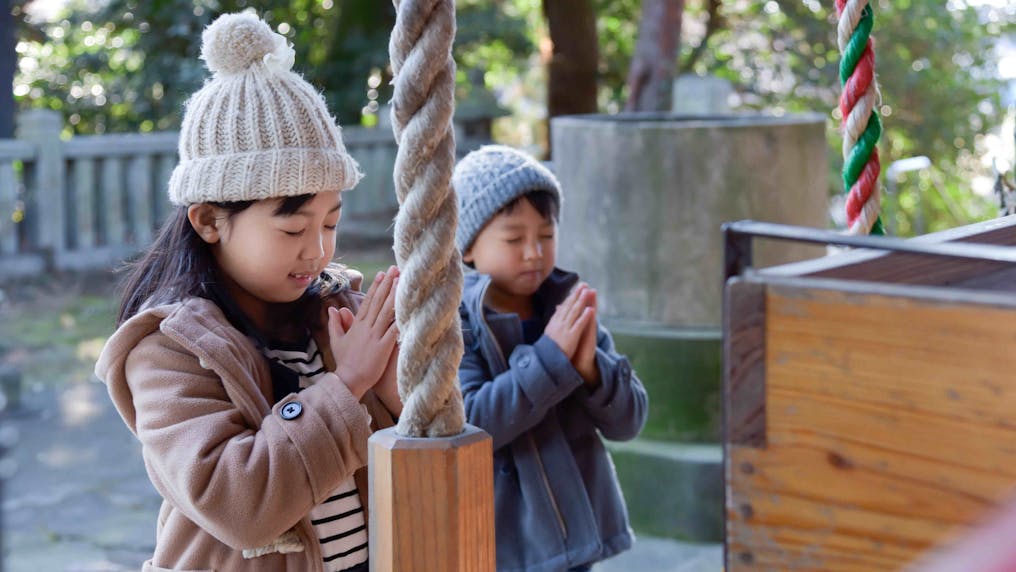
point(553, 290)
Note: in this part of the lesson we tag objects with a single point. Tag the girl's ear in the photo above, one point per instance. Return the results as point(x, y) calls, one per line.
point(204, 219)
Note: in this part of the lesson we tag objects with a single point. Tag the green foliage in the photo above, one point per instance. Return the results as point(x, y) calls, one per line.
point(128, 65)
point(125, 65)
point(936, 67)
point(617, 26)
point(937, 72)
point(491, 43)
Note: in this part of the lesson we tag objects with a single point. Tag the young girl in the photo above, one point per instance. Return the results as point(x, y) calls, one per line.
point(250, 368)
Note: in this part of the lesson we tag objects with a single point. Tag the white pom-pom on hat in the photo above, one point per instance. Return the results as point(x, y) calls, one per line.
point(233, 42)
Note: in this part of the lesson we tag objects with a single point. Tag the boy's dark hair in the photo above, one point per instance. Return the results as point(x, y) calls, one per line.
point(542, 201)
point(179, 265)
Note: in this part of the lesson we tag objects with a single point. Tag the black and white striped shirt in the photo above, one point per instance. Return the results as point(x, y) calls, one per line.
point(338, 521)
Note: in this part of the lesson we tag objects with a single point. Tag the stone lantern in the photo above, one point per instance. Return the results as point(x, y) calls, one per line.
point(476, 108)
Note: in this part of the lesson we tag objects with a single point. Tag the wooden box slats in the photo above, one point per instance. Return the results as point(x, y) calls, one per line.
point(867, 421)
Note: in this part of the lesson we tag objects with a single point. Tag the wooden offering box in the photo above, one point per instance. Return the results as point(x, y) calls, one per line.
point(870, 397)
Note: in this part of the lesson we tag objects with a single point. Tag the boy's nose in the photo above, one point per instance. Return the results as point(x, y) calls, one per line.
point(533, 251)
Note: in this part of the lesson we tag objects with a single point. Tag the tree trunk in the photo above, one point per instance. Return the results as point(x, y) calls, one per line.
point(8, 61)
point(651, 78)
point(572, 81)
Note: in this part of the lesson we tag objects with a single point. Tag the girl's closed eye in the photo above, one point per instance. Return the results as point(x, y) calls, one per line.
point(513, 240)
point(292, 232)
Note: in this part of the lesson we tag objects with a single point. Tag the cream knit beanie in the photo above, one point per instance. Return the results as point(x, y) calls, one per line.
point(256, 130)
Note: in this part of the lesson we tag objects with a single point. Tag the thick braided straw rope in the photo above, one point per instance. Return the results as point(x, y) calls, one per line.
point(861, 125)
point(430, 286)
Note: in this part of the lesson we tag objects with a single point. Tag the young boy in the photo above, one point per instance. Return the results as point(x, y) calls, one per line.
point(539, 374)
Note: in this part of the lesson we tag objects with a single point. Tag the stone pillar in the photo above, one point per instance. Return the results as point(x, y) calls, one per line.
point(42, 127)
point(645, 196)
point(10, 387)
point(642, 221)
point(701, 95)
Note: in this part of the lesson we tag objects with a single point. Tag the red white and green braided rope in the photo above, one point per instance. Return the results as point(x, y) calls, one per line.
point(860, 121)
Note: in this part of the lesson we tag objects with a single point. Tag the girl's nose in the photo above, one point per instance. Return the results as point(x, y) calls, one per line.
point(314, 248)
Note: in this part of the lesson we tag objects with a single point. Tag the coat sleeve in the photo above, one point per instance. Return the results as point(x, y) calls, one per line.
point(539, 376)
point(243, 484)
point(620, 405)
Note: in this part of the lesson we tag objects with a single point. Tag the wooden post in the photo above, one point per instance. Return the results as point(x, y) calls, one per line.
point(431, 502)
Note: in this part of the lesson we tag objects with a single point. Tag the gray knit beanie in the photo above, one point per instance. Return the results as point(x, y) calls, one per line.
point(491, 177)
point(256, 130)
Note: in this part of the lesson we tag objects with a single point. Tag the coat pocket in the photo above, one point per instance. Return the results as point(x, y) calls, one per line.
point(149, 567)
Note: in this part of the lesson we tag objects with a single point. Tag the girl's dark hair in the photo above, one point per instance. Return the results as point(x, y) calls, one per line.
point(542, 201)
point(179, 265)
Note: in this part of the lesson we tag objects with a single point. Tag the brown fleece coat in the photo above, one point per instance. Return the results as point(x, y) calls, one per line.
point(233, 473)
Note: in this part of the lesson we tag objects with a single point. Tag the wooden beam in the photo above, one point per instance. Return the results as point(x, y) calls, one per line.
point(904, 268)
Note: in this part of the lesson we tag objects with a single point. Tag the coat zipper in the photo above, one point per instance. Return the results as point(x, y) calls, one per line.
point(529, 434)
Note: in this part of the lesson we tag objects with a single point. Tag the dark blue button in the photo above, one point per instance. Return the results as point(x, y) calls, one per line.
point(524, 361)
point(624, 369)
point(291, 410)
